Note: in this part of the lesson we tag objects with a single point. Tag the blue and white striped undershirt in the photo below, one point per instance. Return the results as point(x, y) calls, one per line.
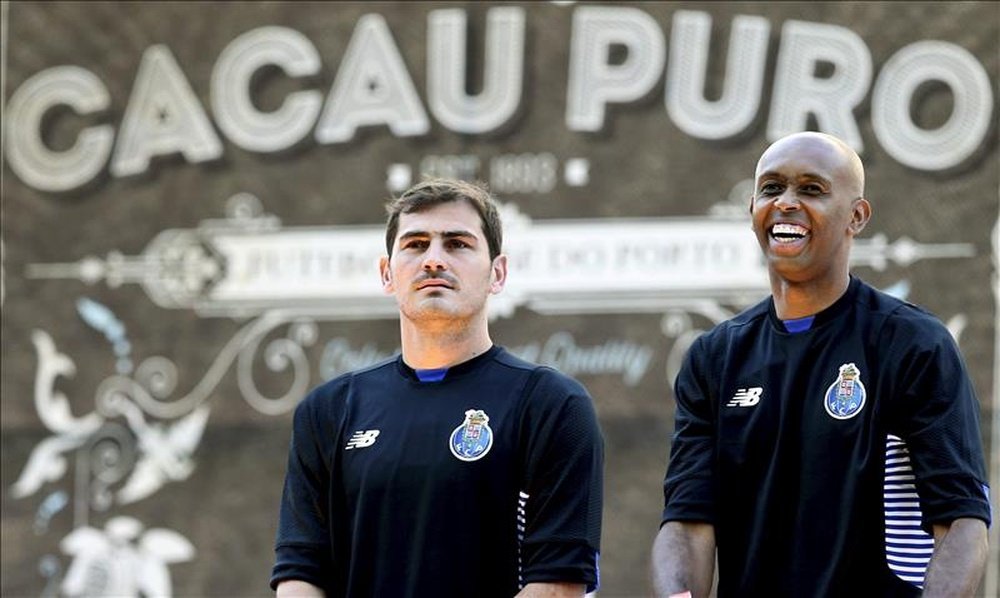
point(522, 502)
point(908, 548)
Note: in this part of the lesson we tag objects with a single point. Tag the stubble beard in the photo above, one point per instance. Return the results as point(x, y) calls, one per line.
point(437, 314)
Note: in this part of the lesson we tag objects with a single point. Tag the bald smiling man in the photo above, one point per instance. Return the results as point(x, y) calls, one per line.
point(827, 439)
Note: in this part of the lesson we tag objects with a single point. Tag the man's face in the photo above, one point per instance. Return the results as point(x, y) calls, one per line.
point(440, 267)
point(807, 208)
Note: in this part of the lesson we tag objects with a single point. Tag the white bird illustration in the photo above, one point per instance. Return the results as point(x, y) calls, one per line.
point(165, 453)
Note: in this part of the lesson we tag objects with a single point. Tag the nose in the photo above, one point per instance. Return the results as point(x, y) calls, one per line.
point(787, 202)
point(434, 258)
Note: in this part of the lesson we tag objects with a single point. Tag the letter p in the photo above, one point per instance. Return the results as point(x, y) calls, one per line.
point(593, 80)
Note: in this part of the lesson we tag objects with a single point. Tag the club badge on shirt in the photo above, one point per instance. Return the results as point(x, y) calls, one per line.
point(471, 440)
point(846, 396)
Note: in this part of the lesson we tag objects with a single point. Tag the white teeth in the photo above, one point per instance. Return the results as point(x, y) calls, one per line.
point(783, 228)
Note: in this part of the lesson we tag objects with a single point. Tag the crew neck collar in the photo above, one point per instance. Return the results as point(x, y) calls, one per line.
point(452, 371)
point(838, 307)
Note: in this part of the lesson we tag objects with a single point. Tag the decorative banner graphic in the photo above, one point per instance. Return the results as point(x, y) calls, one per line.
point(248, 265)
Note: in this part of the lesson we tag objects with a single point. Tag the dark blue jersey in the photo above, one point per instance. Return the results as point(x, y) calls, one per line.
point(799, 448)
point(471, 486)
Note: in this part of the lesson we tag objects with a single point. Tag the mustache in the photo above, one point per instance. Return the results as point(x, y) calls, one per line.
point(442, 276)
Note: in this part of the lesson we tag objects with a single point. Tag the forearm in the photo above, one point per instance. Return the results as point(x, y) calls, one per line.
point(684, 559)
point(293, 588)
point(960, 552)
point(552, 590)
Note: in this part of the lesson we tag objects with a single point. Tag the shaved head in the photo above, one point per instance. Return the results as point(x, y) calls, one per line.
point(825, 148)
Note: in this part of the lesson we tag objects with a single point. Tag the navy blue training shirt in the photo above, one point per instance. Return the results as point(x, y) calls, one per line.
point(822, 457)
point(473, 485)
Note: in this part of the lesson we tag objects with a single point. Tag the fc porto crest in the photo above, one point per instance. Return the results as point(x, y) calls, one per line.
point(846, 396)
point(474, 438)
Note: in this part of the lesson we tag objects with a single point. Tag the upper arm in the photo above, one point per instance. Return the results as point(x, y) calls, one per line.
point(936, 412)
point(689, 484)
point(696, 537)
point(970, 531)
point(293, 588)
point(960, 555)
point(684, 558)
point(303, 543)
point(552, 590)
point(562, 460)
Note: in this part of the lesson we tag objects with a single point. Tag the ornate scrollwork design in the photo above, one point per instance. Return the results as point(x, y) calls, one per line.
point(105, 460)
point(158, 375)
point(155, 380)
point(280, 355)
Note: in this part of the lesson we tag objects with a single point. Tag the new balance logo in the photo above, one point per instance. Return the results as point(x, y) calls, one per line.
point(362, 439)
point(746, 397)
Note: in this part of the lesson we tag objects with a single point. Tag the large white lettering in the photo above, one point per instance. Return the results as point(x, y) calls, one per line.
point(798, 91)
point(617, 55)
point(372, 88)
point(685, 95)
point(163, 117)
point(446, 70)
point(956, 139)
point(593, 81)
point(35, 163)
point(232, 105)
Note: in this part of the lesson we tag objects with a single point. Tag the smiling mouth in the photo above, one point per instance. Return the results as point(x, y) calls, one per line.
point(784, 232)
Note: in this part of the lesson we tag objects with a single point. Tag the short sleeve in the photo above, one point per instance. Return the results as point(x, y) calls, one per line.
point(563, 464)
point(302, 547)
point(937, 414)
point(689, 484)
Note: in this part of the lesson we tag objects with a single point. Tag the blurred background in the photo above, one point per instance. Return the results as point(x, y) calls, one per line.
point(192, 210)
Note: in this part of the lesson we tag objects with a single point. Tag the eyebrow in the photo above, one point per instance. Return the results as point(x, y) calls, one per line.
point(448, 234)
point(807, 175)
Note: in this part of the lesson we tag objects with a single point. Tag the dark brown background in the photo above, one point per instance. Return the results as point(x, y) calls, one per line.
point(642, 166)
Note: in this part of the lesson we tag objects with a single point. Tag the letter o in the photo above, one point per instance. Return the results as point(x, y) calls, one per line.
point(956, 139)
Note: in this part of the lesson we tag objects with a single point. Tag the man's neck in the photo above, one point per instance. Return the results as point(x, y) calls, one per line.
point(798, 300)
point(431, 347)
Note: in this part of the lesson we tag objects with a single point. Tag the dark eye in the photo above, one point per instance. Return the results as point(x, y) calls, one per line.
point(770, 189)
point(415, 244)
point(812, 189)
point(457, 244)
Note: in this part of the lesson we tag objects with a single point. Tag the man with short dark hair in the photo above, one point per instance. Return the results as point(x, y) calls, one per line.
point(455, 469)
point(827, 439)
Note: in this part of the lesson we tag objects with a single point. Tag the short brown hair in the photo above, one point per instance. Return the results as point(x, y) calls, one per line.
point(432, 192)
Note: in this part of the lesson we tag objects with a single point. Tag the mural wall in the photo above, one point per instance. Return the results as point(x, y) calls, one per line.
point(193, 205)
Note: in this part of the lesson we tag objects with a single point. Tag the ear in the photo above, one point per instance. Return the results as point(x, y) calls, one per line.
point(385, 273)
point(499, 274)
point(861, 213)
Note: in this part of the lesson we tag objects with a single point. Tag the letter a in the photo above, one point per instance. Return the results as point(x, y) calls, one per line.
point(163, 116)
point(372, 88)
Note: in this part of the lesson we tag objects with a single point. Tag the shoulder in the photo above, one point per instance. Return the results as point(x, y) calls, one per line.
point(506, 359)
point(541, 377)
point(547, 393)
point(328, 398)
point(896, 321)
point(747, 323)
